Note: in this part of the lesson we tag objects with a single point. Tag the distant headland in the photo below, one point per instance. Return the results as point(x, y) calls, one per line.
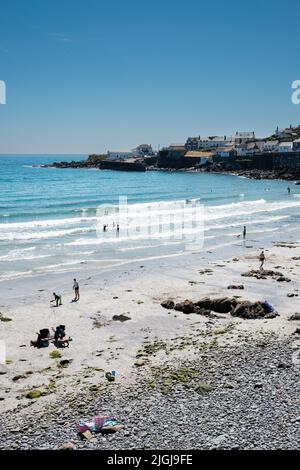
point(274, 157)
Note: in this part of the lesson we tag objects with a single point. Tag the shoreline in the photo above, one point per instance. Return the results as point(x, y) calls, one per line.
point(137, 295)
point(216, 168)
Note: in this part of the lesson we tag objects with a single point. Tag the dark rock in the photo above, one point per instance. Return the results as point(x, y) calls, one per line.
point(204, 312)
point(110, 377)
point(3, 369)
point(186, 307)
point(243, 309)
point(223, 305)
point(258, 385)
point(122, 318)
point(168, 304)
point(296, 316)
point(65, 362)
point(271, 315)
point(283, 279)
point(111, 429)
point(263, 274)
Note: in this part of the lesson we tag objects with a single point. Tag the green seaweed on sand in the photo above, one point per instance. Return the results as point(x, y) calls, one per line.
point(18, 377)
point(203, 388)
point(4, 319)
point(166, 379)
point(55, 354)
point(33, 394)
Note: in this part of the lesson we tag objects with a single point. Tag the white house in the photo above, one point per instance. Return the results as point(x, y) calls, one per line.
point(285, 147)
point(296, 145)
point(143, 150)
point(270, 145)
point(243, 137)
point(244, 150)
point(225, 152)
point(215, 142)
point(119, 156)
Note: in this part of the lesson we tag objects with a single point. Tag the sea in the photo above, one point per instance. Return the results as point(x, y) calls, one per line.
point(52, 220)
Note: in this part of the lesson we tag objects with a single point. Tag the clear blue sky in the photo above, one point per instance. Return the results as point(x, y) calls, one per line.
point(88, 76)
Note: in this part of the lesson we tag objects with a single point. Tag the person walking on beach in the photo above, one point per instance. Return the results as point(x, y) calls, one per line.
point(76, 290)
point(244, 232)
point(57, 299)
point(262, 260)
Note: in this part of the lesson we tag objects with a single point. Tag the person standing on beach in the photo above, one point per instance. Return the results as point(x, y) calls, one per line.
point(244, 232)
point(76, 290)
point(262, 260)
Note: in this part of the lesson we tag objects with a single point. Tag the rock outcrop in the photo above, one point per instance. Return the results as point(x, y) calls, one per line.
point(242, 309)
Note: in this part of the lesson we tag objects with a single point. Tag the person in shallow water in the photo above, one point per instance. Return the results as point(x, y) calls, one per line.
point(57, 299)
point(289, 190)
point(76, 290)
point(262, 260)
point(244, 232)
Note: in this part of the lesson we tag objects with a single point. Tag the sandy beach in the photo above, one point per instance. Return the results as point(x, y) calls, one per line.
point(151, 337)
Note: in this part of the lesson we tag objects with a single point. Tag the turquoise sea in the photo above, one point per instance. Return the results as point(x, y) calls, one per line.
point(52, 219)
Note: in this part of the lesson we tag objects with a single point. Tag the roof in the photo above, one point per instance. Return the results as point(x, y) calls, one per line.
point(286, 144)
point(225, 149)
point(244, 134)
point(218, 138)
point(196, 154)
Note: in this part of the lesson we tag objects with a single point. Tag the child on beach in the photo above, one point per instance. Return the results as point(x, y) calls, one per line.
point(57, 299)
point(262, 260)
point(76, 290)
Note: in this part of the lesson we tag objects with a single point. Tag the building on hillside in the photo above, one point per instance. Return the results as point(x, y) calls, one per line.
point(296, 145)
point(286, 133)
point(246, 149)
point(215, 142)
point(225, 152)
point(179, 147)
point(199, 158)
point(243, 137)
point(269, 145)
point(192, 143)
point(119, 156)
point(143, 150)
point(286, 147)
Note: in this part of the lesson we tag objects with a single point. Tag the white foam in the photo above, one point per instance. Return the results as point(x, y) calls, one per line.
point(42, 235)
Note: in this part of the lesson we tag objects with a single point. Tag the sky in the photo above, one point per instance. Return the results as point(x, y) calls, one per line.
point(91, 76)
